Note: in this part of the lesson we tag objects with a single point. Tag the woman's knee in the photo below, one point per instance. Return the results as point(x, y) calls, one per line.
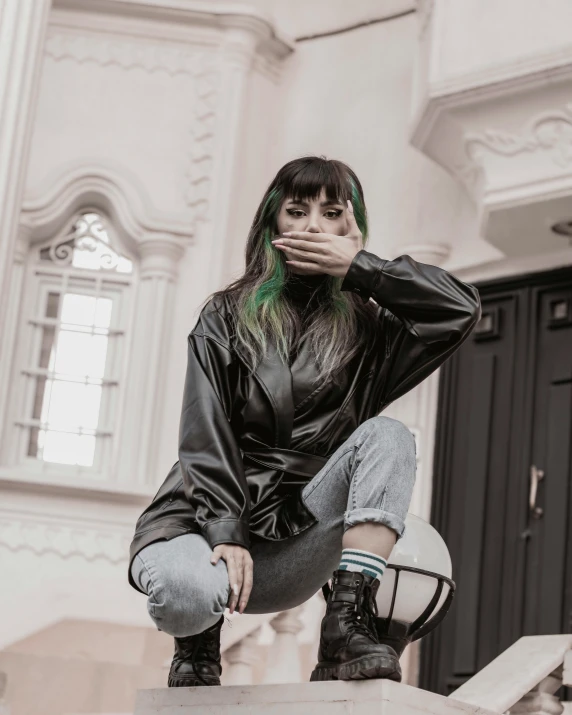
point(187, 603)
point(394, 432)
point(186, 597)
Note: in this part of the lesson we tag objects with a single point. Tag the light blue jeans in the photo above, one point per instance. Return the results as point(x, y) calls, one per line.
point(370, 477)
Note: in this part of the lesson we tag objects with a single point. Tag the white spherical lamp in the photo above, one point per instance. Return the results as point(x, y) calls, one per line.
point(416, 590)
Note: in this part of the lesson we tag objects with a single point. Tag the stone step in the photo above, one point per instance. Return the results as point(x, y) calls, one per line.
point(364, 697)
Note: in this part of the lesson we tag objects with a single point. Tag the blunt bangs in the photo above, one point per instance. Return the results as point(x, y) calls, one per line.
point(305, 182)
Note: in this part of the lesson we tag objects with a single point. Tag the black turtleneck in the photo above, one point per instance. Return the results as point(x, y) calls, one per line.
point(303, 291)
point(300, 289)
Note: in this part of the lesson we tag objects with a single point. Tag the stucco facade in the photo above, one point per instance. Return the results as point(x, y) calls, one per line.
point(169, 119)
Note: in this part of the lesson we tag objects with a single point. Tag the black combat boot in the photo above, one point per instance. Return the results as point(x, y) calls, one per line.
point(349, 645)
point(197, 659)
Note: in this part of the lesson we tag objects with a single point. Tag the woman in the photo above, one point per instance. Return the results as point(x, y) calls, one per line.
point(287, 473)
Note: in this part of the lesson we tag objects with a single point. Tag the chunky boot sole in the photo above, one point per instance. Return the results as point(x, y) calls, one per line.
point(364, 668)
point(192, 681)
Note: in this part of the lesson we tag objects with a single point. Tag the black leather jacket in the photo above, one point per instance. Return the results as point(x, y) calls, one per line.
point(247, 445)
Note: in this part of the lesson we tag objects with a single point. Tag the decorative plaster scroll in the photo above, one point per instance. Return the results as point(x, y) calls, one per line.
point(550, 131)
point(202, 130)
point(173, 58)
point(64, 540)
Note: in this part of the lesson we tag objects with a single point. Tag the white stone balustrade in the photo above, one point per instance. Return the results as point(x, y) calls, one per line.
point(522, 679)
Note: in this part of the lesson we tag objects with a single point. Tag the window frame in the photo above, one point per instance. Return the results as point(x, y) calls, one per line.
point(41, 278)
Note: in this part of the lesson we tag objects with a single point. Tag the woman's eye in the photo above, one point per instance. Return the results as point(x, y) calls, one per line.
point(333, 214)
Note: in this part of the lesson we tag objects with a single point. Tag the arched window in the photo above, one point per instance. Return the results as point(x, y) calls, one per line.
point(77, 304)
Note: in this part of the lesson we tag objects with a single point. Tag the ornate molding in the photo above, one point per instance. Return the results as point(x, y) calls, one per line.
point(64, 540)
point(203, 67)
point(549, 131)
point(149, 56)
point(47, 208)
point(202, 131)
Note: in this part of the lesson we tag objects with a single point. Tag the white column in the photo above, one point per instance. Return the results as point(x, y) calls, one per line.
point(12, 311)
point(284, 655)
point(136, 449)
point(22, 34)
point(240, 658)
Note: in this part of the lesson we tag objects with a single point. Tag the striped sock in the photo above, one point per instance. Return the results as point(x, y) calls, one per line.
point(365, 561)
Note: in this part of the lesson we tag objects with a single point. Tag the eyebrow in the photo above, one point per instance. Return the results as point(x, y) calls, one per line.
point(323, 203)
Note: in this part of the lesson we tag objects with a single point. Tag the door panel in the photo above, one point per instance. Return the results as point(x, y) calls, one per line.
point(551, 420)
point(505, 404)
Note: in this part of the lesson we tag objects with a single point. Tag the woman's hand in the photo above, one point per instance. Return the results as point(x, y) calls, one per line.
point(240, 572)
point(317, 253)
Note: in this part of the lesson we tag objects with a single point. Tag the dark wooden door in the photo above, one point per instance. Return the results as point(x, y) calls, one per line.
point(502, 477)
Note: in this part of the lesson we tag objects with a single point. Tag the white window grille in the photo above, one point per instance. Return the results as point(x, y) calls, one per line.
point(72, 361)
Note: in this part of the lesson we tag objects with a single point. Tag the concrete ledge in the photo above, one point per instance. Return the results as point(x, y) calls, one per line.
point(366, 697)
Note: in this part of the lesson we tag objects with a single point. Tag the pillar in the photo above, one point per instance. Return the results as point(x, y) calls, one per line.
point(136, 450)
point(23, 25)
point(284, 656)
point(240, 658)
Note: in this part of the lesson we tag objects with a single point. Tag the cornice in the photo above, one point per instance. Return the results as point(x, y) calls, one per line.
point(28, 485)
point(489, 83)
point(208, 15)
point(514, 266)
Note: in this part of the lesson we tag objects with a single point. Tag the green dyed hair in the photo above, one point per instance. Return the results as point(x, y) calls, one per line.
point(342, 325)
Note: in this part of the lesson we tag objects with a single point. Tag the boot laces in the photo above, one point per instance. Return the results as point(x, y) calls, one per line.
point(205, 655)
point(198, 643)
point(365, 623)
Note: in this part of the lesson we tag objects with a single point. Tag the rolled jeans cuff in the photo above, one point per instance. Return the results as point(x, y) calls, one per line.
point(379, 516)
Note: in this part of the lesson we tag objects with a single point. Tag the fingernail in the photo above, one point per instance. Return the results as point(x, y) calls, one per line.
point(286, 233)
point(235, 589)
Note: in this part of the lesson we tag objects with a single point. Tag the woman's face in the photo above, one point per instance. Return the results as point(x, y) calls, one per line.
point(314, 215)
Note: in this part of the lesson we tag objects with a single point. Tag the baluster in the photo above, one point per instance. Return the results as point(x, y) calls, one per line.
point(541, 699)
point(284, 656)
point(240, 658)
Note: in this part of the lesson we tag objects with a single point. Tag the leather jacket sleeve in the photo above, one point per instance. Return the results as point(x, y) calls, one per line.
point(209, 455)
point(426, 313)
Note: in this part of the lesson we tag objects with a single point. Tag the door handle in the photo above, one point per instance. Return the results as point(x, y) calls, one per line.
point(536, 476)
